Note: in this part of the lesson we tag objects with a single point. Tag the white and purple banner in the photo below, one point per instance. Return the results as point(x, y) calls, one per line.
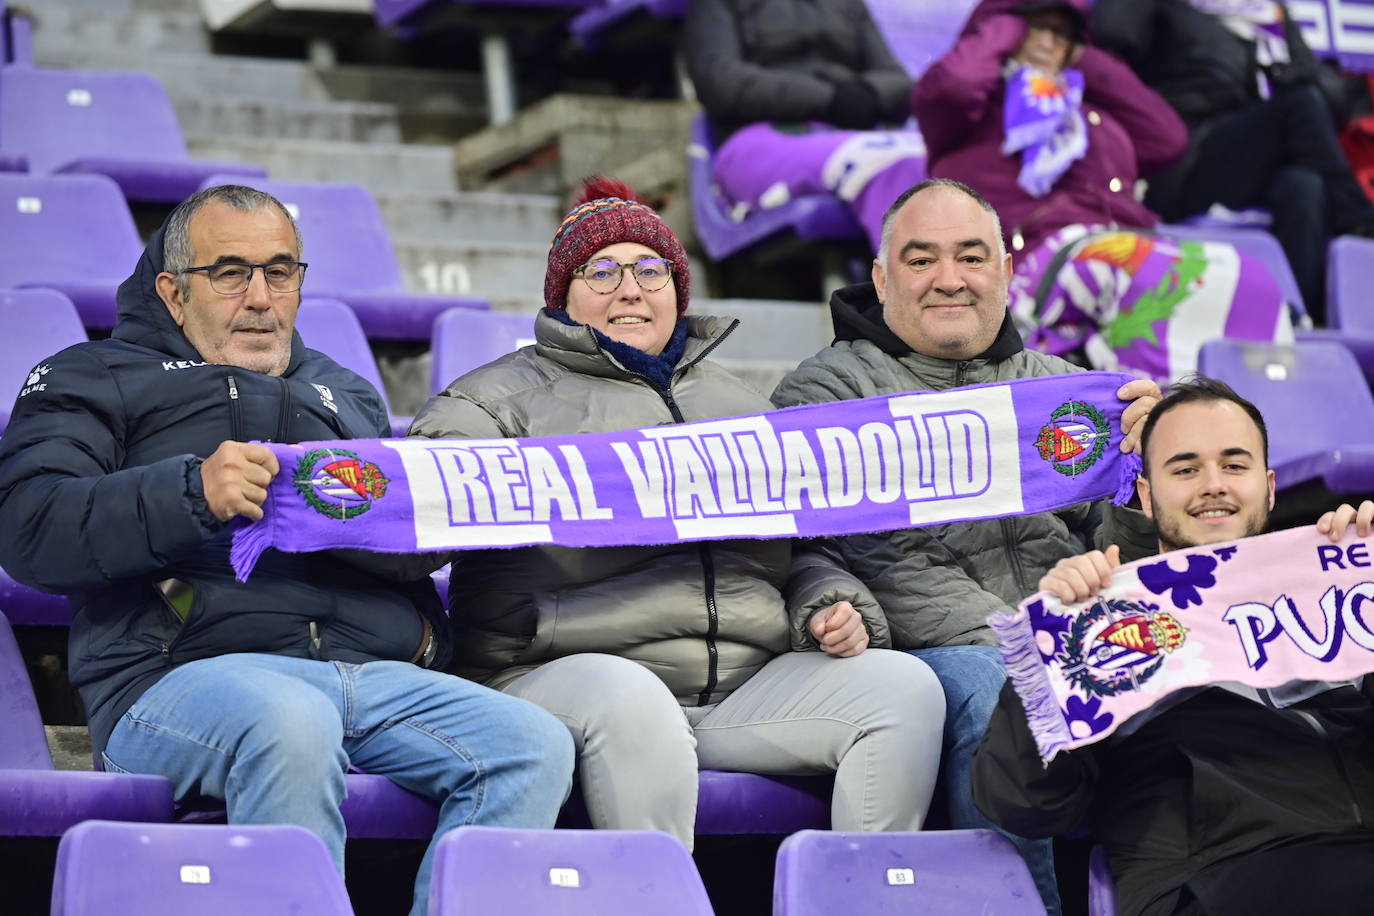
point(1261, 612)
point(1340, 29)
point(876, 464)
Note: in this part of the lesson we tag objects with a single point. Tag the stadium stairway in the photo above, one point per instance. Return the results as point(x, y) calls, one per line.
point(388, 128)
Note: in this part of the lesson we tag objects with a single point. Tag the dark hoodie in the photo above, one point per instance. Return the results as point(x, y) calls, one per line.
point(101, 498)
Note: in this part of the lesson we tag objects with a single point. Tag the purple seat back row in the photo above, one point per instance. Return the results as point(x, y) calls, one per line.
point(72, 233)
point(606, 872)
point(37, 800)
point(351, 257)
point(105, 868)
point(116, 124)
point(820, 873)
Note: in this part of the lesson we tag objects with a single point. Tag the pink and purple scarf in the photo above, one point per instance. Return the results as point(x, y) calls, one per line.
point(1261, 612)
point(875, 464)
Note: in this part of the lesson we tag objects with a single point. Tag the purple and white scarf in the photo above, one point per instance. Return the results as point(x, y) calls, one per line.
point(1259, 613)
point(1042, 119)
point(876, 464)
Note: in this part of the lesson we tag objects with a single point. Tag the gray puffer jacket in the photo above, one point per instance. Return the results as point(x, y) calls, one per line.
point(702, 616)
point(939, 584)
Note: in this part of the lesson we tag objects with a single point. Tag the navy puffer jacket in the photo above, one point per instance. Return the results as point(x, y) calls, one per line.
point(101, 499)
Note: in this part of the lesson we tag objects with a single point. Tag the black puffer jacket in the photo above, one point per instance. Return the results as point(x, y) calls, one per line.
point(1190, 58)
point(783, 60)
point(101, 498)
point(1182, 801)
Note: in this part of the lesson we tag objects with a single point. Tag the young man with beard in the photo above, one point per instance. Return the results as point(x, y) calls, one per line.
point(1223, 799)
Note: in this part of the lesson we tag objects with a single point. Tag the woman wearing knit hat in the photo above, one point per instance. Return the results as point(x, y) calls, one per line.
point(749, 655)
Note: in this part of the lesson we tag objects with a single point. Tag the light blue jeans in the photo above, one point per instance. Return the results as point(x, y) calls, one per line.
point(972, 676)
point(273, 737)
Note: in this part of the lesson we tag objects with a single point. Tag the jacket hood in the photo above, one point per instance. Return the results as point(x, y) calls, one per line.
point(143, 318)
point(989, 8)
point(857, 314)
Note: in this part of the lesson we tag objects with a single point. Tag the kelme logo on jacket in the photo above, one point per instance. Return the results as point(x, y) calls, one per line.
point(337, 483)
point(1074, 439)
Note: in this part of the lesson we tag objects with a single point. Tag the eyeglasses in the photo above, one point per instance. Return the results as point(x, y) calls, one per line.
point(604, 277)
point(232, 277)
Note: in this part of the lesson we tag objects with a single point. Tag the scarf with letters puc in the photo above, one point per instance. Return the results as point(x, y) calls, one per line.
point(876, 464)
point(1261, 612)
point(1042, 119)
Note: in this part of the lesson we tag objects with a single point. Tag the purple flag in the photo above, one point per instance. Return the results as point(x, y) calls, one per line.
point(875, 464)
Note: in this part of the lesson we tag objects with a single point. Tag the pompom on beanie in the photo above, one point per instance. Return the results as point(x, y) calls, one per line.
point(606, 212)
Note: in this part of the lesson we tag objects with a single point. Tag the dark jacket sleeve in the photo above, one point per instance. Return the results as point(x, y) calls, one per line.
point(1016, 790)
point(71, 517)
point(1125, 27)
point(819, 578)
point(735, 89)
point(954, 94)
point(1157, 132)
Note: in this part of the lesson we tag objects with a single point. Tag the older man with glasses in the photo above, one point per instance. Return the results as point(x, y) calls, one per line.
point(119, 480)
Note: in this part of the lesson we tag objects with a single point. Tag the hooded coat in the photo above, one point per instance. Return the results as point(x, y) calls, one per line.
point(938, 584)
point(101, 499)
point(703, 616)
point(1132, 132)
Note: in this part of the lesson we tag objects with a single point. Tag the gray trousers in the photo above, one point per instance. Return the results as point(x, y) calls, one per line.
point(874, 720)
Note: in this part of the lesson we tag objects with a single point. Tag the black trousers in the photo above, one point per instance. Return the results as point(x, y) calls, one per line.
point(1280, 154)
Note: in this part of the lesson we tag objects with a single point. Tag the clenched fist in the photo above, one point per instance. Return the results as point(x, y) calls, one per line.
point(236, 478)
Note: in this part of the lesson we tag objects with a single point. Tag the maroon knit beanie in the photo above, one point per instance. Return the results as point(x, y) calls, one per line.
point(606, 213)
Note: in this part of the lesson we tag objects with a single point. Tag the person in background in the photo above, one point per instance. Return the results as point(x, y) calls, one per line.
point(1056, 133)
point(804, 97)
point(1261, 132)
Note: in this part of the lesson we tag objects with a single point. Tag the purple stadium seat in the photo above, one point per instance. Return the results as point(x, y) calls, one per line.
point(1315, 401)
point(351, 257)
point(72, 233)
point(1349, 290)
point(591, 25)
point(479, 870)
point(110, 869)
point(462, 340)
point(1101, 887)
point(26, 606)
point(34, 324)
point(16, 37)
point(919, 32)
point(37, 800)
point(820, 873)
point(816, 217)
point(116, 124)
point(330, 326)
point(1350, 285)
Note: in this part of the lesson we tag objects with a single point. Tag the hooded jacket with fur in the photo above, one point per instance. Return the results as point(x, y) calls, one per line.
point(101, 499)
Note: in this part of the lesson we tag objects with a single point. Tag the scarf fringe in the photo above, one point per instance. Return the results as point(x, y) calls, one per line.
point(1131, 467)
point(1026, 669)
point(248, 544)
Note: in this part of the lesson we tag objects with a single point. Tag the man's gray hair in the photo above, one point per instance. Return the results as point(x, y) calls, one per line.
point(176, 242)
point(888, 217)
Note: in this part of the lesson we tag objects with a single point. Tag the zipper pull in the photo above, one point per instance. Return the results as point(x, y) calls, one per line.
point(233, 389)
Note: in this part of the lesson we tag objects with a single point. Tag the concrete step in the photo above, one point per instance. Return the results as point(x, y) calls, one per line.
point(377, 166)
point(70, 746)
point(358, 122)
point(69, 33)
point(477, 216)
point(510, 275)
point(442, 96)
point(112, 6)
